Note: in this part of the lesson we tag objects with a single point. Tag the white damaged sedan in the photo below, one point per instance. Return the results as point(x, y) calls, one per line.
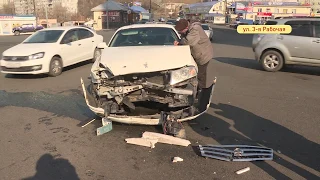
point(51, 49)
point(141, 75)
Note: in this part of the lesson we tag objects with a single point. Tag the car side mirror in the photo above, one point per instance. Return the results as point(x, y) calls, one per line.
point(102, 45)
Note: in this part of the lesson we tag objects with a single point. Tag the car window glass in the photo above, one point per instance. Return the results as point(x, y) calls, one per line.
point(271, 23)
point(316, 29)
point(205, 27)
point(83, 34)
point(147, 36)
point(48, 36)
point(70, 36)
point(300, 28)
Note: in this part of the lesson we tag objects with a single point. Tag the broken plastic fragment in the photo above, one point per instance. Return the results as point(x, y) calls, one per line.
point(166, 139)
point(142, 142)
point(177, 159)
point(243, 170)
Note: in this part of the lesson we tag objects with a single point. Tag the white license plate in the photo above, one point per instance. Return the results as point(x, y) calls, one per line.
point(13, 65)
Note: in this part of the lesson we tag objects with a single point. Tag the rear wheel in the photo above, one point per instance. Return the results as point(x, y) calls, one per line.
point(17, 33)
point(55, 68)
point(272, 61)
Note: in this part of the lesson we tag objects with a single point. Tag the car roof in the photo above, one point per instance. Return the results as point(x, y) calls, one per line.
point(282, 21)
point(64, 28)
point(146, 26)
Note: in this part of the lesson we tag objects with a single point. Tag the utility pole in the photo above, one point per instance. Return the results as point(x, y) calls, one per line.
point(48, 4)
point(34, 8)
point(150, 7)
point(226, 11)
point(107, 12)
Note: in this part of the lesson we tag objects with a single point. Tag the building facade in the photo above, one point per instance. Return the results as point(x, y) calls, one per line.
point(3, 2)
point(271, 12)
point(315, 5)
point(26, 7)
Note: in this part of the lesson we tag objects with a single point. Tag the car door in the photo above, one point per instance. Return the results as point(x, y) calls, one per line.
point(316, 42)
point(70, 48)
point(88, 44)
point(300, 39)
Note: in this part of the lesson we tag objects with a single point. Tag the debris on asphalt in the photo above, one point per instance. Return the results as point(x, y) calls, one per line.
point(149, 139)
point(279, 151)
point(177, 159)
point(171, 126)
point(236, 152)
point(85, 123)
point(142, 142)
point(243, 170)
point(106, 127)
point(166, 139)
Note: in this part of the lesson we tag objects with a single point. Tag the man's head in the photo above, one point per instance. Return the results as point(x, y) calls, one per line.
point(182, 26)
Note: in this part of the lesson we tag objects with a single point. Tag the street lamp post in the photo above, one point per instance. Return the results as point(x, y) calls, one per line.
point(46, 10)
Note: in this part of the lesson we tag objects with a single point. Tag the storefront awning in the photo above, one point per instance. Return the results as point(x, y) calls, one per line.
point(138, 9)
point(110, 5)
point(201, 8)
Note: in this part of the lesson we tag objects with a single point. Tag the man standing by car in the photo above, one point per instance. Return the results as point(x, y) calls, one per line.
point(193, 35)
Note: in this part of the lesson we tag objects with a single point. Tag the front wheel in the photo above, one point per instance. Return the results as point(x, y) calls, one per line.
point(55, 68)
point(272, 61)
point(17, 33)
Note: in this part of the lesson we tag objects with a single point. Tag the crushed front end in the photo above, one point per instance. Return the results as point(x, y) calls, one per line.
point(144, 95)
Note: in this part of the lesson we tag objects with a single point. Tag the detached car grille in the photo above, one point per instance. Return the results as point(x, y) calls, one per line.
point(154, 77)
point(15, 58)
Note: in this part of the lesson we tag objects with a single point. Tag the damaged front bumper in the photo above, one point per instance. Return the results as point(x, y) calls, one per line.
point(154, 119)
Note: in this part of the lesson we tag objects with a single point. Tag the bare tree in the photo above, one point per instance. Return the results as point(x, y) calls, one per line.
point(60, 13)
point(85, 6)
point(8, 8)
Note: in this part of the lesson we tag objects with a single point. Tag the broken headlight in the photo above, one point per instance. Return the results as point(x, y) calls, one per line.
point(182, 74)
point(94, 78)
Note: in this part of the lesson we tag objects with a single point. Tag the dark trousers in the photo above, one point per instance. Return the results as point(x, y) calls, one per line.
point(202, 75)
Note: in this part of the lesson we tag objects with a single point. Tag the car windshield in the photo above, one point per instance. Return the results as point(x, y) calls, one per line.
point(48, 36)
point(145, 36)
point(171, 22)
point(205, 27)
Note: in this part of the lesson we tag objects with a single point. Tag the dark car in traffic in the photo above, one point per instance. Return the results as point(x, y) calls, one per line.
point(26, 28)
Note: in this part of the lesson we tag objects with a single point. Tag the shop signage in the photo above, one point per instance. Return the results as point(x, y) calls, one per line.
point(112, 13)
point(264, 14)
point(6, 17)
point(137, 3)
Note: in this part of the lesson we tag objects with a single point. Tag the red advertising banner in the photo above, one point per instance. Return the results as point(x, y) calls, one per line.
point(264, 14)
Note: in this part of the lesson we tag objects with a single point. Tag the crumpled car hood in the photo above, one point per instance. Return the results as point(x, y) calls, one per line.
point(143, 59)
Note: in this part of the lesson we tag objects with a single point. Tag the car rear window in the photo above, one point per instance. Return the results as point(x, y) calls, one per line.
point(271, 23)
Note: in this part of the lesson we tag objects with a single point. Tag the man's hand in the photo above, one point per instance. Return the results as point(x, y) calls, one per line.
point(176, 43)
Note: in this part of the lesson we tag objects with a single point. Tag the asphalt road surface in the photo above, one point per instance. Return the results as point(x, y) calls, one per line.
point(40, 137)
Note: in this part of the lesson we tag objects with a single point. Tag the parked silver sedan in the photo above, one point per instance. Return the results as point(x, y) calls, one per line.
point(300, 47)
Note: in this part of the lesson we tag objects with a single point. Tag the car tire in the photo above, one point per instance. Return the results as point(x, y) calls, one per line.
point(55, 67)
point(17, 33)
point(272, 61)
point(96, 54)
